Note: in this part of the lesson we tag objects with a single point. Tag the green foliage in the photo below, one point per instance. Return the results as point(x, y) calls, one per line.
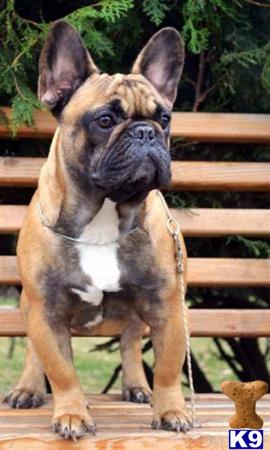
point(82, 18)
point(195, 31)
point(23, 104)
point(228, 40)
point(18, 57)
point(252, 248)
point(265, 77)
point(112, 10)
point(155, 10)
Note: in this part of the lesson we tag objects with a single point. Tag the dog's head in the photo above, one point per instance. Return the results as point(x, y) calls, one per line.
point(114, 128)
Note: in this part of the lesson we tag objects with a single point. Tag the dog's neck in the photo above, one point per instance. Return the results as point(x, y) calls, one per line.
point(67, 208)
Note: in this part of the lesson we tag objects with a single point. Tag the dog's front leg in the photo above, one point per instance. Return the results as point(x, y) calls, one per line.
point(71, 418)
point(168, 340)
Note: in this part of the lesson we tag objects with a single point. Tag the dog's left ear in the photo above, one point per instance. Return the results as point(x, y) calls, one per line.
point(161, 61)
point(64, 65)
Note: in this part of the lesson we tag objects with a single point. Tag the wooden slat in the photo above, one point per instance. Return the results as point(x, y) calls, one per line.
point(217, 127)
point(186, 175)
point(11, 218)
point(8, 270)
point(20, 171)
point(227, 272)
point(125, 426)
point(220, 176)
point(207, 272)
point(44, 126)
point(206, 401)
point(222, 127)
point(203, 323)
point(202, 222)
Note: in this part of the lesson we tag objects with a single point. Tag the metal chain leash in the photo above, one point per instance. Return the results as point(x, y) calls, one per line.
point(174, 229)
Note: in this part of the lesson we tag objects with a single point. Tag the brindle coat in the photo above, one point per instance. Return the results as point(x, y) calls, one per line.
point(88, 162)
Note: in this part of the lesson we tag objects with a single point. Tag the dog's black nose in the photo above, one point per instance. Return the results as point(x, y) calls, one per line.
point(143, 132)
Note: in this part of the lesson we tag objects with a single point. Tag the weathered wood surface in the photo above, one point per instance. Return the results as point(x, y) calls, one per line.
point(203, 323)
point(217, 127)
point(207, 272)
point(201, 222)
point(186, 175)
point(125, 426)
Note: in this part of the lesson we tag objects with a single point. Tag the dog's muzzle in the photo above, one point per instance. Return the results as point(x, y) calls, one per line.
point(135, 164)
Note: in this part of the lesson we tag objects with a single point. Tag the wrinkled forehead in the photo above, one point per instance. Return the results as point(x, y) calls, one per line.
point(133, 93)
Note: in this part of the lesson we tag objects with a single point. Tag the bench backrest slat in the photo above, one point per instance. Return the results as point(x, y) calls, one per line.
point(208, 272)
point(199, 222)
point(209, 127)
point(186, 175)
point(203, 322)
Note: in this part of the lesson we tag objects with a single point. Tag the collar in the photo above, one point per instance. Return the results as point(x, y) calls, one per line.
point(45, 221)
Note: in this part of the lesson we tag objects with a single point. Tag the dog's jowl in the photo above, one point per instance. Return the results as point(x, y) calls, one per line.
point(94, 247)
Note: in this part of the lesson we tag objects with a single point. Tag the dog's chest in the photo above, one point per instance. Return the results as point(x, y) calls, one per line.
point(97, 254)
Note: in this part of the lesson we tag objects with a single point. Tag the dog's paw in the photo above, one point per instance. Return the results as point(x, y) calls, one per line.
point(24, 398)
point(137, 394)
point(172, 421)
point(73, 426)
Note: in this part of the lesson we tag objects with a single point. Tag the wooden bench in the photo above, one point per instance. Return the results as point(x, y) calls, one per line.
point(126, 425)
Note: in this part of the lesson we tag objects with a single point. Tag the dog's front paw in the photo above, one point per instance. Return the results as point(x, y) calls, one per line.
point(137, 394)
point(173, 421)
point(24, 398)
point(169, 410)
point(73, 425)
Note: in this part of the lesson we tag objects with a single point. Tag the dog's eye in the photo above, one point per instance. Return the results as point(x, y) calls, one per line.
point(105, 121)
point(164, 121)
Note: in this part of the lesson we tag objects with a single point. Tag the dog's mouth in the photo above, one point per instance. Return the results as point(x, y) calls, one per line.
point(135, 174)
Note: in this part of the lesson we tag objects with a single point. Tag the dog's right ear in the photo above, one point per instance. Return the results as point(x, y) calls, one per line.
point(64, 65)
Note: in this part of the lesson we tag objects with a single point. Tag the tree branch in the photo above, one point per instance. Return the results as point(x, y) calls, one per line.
point(199, 82)
point(17, 87)
point(253, 2)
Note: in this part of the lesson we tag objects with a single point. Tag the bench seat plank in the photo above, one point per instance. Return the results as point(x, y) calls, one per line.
point(206, 272)
point(203, 323)
point(199, 126)
point(195, 222)
point(125, 426)
point(186, 175)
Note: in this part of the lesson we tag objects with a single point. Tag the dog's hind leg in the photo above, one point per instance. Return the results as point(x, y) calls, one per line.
point(30, 389)
point(135, 387)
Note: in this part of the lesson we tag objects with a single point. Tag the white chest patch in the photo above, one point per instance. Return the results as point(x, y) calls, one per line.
point(98, 260)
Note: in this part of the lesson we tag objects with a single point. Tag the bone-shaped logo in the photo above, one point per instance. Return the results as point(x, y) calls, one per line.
point(244, 396)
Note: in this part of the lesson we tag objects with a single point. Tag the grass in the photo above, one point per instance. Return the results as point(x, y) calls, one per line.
point(95, 368)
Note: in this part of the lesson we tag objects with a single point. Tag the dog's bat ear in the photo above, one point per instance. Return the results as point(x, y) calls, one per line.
point(161, 61)
point(64, 65)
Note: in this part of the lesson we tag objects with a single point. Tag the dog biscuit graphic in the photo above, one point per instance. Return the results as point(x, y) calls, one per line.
point(245, 395)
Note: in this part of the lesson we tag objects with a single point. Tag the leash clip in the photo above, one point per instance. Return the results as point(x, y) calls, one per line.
point(174, 229)
point(173, 226)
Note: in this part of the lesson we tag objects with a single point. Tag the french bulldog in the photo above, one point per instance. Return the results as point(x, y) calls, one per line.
point(94, 252)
